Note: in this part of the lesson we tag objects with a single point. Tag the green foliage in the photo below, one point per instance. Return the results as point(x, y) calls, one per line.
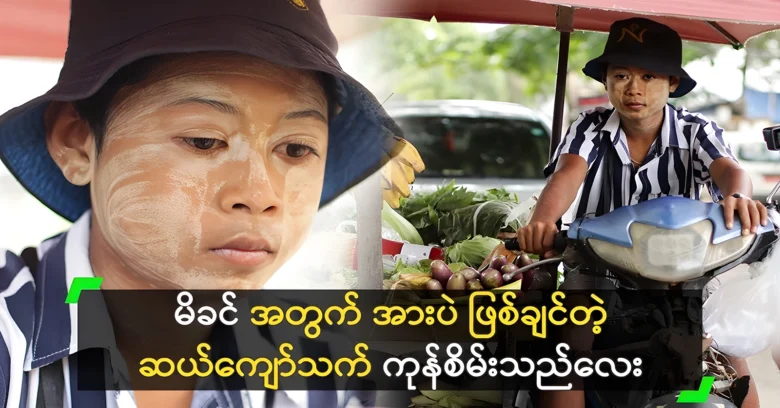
point(435, 214)
point(457, 61)
point(472, 251)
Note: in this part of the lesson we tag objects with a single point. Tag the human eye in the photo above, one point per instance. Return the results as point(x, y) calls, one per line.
point(649, 76)
point(621, 76)
point(296, 150)
point(203, 145)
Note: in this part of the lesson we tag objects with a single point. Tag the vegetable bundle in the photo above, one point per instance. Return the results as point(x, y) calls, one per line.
point(453, 214)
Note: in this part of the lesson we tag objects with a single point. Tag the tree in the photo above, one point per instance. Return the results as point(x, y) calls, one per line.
point(513, 63)
point(439, 61)
point(761, 52)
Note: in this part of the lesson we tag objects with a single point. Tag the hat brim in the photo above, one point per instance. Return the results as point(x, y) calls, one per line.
point(595, 68)
point(361, 136)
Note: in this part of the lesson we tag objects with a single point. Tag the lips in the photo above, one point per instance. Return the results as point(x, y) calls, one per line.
point(245, 251)
point(634, 105)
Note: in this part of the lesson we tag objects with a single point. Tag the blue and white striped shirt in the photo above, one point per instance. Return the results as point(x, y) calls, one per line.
point(38, 328)
point(677, 164)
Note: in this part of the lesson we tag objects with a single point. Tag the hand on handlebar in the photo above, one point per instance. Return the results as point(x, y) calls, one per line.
point(751, 213)
point(538, 237)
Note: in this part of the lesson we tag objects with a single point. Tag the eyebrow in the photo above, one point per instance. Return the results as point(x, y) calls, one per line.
point(308, 113)
point(229, 109)
point(222, 107)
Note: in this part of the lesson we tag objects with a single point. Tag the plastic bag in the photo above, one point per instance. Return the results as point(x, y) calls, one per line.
point(487, 219)
point(351, 227)
point(742, 314)
point(522, 212)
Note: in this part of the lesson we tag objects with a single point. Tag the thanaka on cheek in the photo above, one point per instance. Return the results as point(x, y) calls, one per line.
point(302, 191)
point(167, 207)
point(147, 214)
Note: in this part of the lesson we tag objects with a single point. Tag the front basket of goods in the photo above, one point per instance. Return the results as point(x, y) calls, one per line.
point(451, 244)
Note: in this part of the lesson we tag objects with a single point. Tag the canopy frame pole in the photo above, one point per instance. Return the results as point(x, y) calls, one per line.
point(368, 199)
point(733, 40)
point(564, 23)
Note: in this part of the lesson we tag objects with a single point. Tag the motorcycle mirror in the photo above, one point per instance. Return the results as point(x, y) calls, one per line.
point(772, 137)
point(772, 140)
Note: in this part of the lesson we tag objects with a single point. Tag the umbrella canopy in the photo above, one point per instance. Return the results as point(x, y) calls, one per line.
point(715, 21)
point(34, 28)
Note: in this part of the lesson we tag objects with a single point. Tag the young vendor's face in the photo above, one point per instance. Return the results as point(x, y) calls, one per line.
point(638, 94)
point(210, 172)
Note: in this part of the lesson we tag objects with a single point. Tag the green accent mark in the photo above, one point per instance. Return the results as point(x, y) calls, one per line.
point(698, 396)
point(80, 284)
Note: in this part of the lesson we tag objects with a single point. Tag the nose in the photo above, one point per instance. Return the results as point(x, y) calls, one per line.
point(249, 190)
point(634, 86)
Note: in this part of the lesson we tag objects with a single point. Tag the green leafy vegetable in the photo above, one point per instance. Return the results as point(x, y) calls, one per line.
point(489, 217)
point(401, 269)
point(423, 267)
point(400, 225)
point(496, 194)
point(457, 266)
point(426, 211)
point(473, 251)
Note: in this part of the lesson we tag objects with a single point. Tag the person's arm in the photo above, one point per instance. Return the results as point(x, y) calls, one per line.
point(731, 179)
point(564, 181)
point(557, 196)
point(561, 190)
point(537, 237)
point(718, 165)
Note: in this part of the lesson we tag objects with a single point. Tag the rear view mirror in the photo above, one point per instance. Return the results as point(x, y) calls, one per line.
point(772, 137)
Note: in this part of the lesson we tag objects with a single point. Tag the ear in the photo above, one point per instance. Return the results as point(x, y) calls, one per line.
point(70, 142)
point(674, 82)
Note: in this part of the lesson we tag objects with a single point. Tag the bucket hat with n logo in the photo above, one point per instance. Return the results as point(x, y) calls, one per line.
point(646, 44)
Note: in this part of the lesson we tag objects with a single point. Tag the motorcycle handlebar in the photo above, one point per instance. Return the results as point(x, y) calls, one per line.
point(560, 242)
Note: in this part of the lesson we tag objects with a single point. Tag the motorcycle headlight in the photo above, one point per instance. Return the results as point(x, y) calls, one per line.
point(671, 255)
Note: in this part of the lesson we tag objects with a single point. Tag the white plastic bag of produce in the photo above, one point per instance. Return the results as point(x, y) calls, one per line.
point(351, 227)
point(523, 211)
point(741, 315)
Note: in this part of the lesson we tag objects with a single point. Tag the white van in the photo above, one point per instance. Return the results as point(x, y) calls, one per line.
point(479, 144)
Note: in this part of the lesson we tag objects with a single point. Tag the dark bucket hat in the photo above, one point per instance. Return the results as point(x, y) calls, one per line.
point(643, 43)
point(106, 35)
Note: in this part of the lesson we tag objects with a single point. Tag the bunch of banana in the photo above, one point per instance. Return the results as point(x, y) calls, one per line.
point(399, 172)
point(415, 281)
point(409, 289)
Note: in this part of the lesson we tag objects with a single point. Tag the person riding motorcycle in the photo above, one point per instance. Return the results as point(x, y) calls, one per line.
point(654, 149)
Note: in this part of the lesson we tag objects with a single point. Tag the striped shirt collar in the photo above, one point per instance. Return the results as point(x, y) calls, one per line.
point(56, 322)
point(671, 133)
